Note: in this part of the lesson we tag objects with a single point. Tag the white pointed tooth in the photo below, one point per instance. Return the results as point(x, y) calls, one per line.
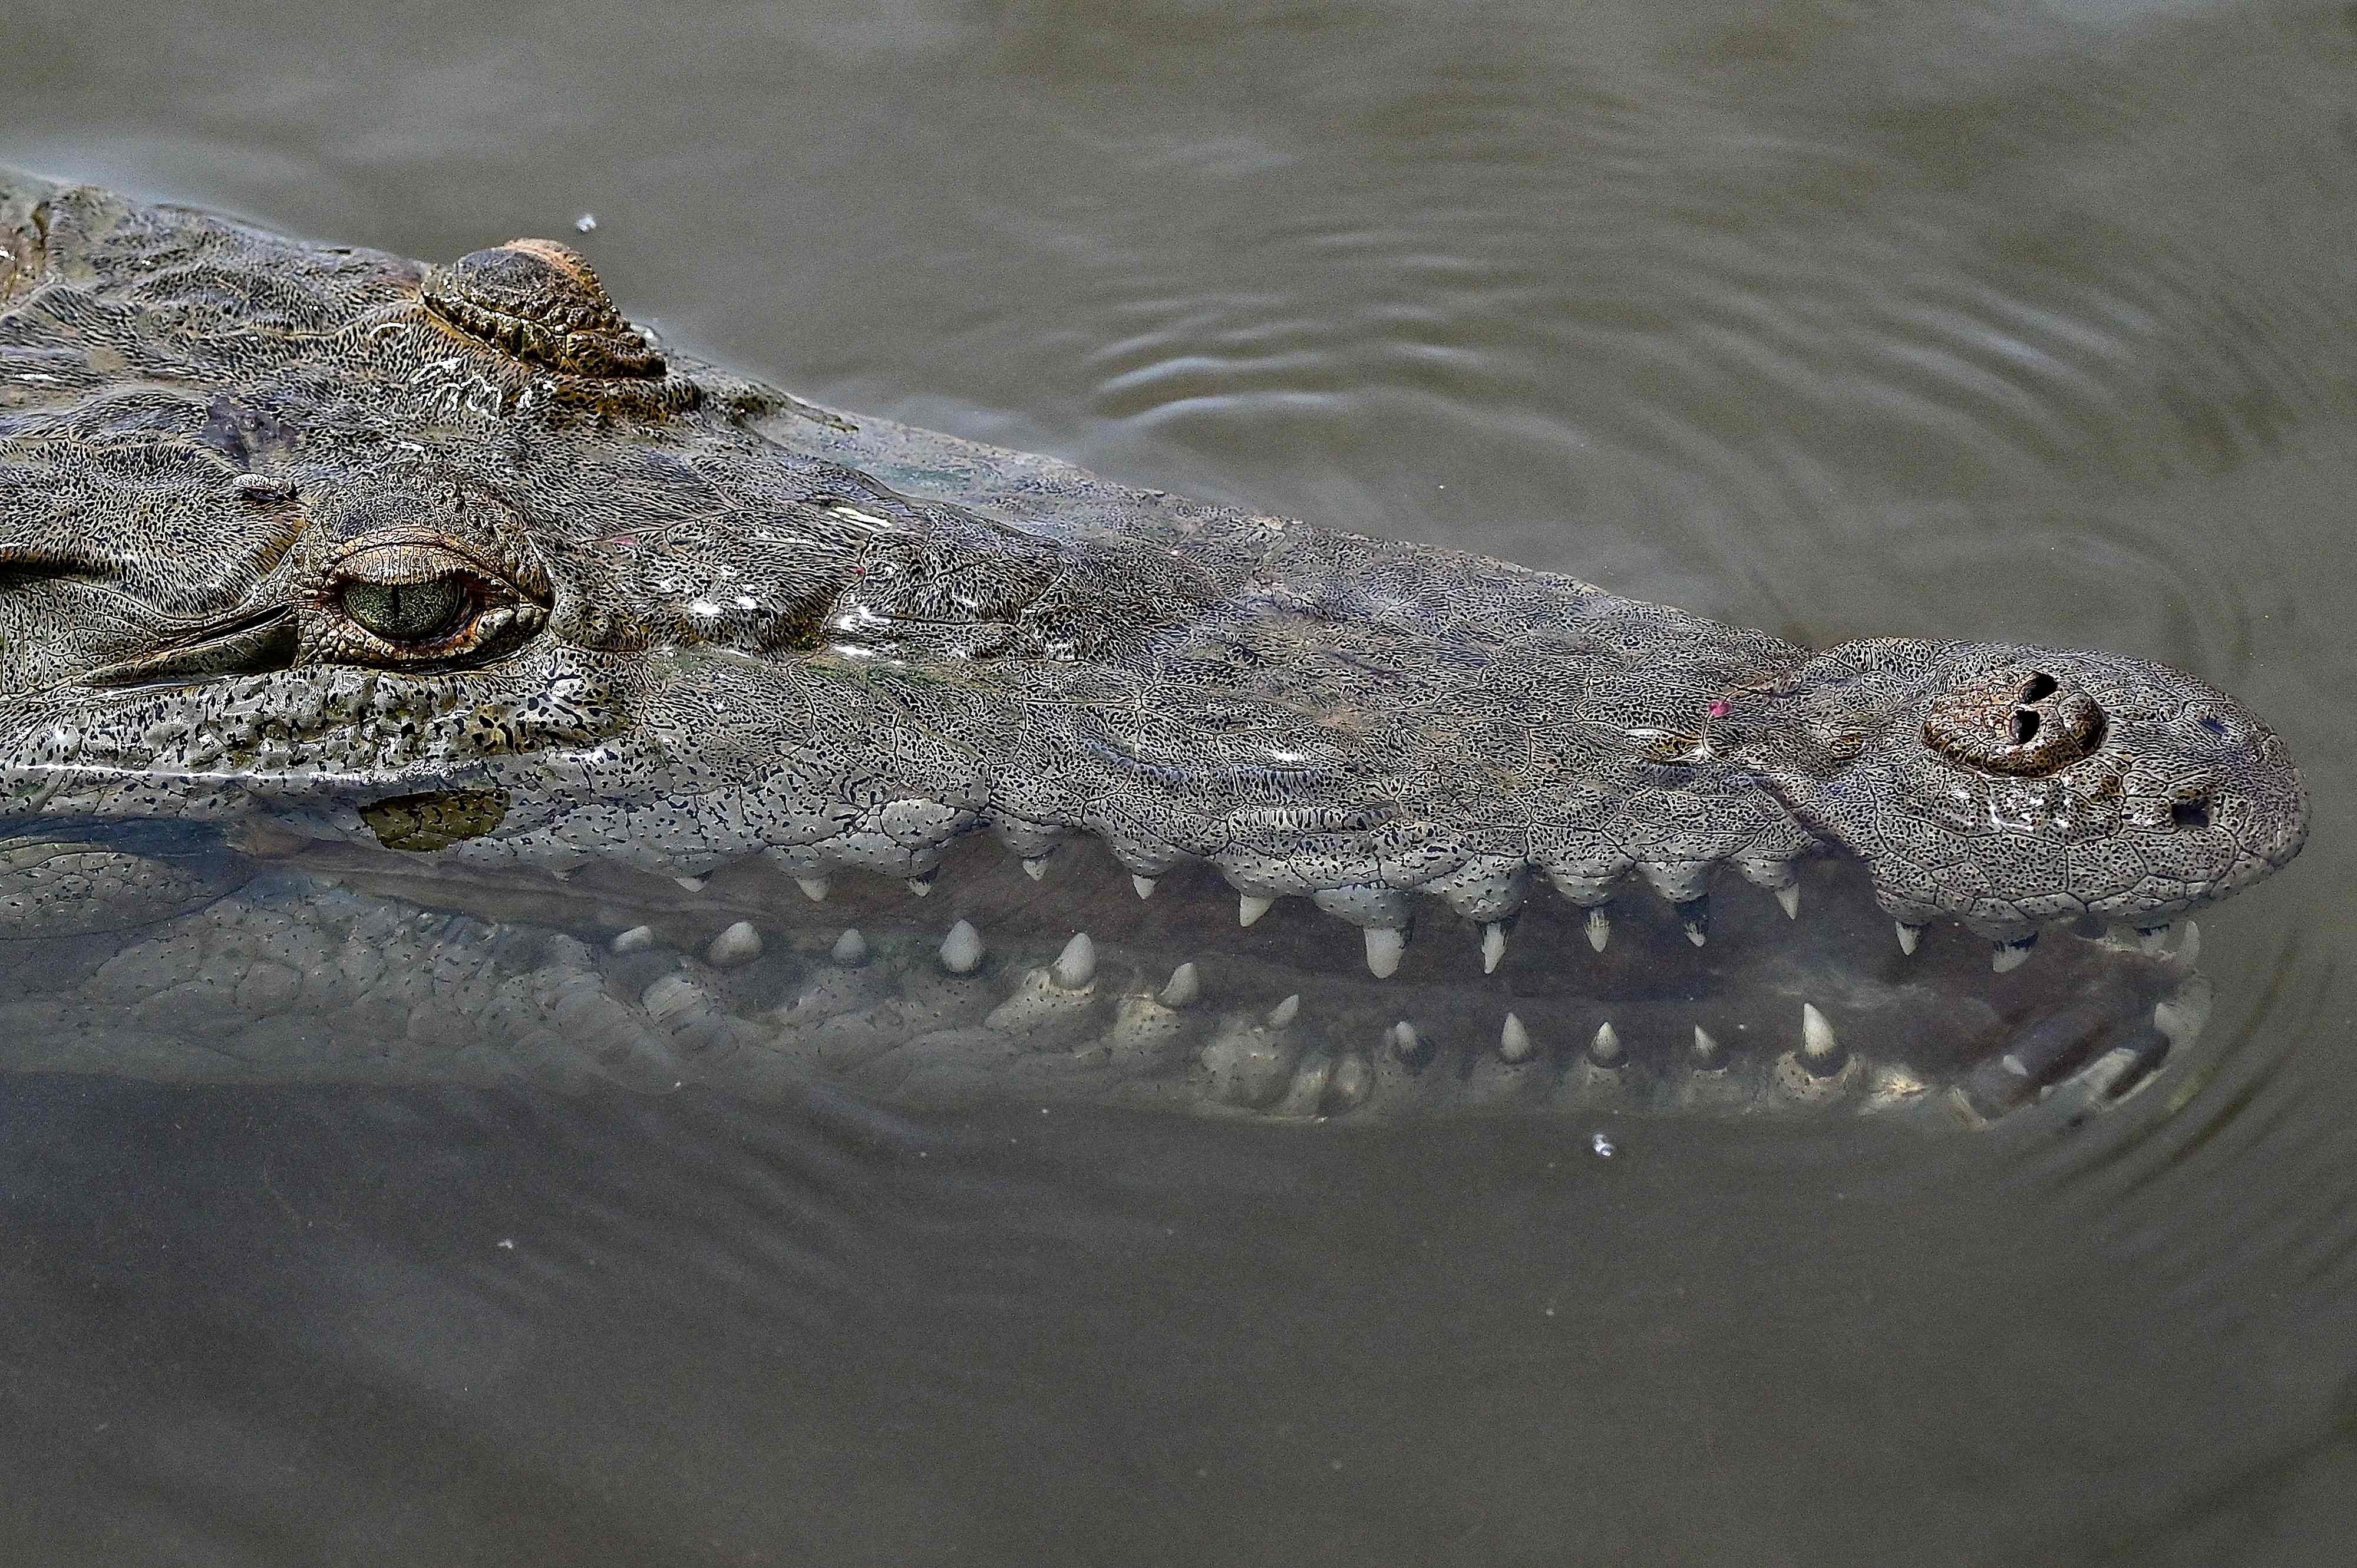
point(1250, 907)
point(1788, 895)
point(2012, 955)
point(1908, 937)
point(1818, 1041)
point(1145, 885)
point(1494, 946)
point(1697, 935)
point(1034, 866)
point(1408, 1043)
point(850, 949)
point(1385, 947)
point(1285, 1012)
point(814, 888)
point(1706, 1049)
point(638, 938)
point(1606, 1047)
point(2189, 948)
point(1076, 966)
point(1600, 928)
point(961, 949)
point(1513, 1040)
point(739, 944)
point(693, 884)
point(1184, 987)
point(920, 886)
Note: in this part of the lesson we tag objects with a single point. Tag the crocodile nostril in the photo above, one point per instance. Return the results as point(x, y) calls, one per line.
point(2193, 813)
point(2023, 721)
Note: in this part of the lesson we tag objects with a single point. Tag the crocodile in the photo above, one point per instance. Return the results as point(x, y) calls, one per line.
point(421, 671)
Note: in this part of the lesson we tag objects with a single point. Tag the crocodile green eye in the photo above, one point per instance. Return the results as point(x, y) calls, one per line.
point(407, 603)
point(408, 612)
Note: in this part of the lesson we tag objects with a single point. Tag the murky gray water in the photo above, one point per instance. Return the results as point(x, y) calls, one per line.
point(2027, 321)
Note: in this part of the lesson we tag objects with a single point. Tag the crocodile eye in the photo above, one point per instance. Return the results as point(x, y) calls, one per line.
point(409, 612)
point(2025, 722)
point(402, 603)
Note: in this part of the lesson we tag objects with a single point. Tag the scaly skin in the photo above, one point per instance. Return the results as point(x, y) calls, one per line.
point(318, 544)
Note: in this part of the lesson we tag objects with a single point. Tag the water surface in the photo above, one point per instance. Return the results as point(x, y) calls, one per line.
point(2027, 321)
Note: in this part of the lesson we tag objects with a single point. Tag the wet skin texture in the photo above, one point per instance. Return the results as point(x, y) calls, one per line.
point(316, 554)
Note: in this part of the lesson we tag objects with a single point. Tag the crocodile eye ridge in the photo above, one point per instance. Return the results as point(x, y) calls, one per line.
point(539, 301)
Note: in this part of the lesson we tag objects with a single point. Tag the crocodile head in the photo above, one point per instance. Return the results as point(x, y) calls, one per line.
point(333, 558)
point(2010, 786)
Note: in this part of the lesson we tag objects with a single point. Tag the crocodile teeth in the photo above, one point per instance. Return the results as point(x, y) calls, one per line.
point(1908, 937)
point(1693, 918)
point(1821, 1053)
point(1285, 1012)
point(2189, 949)
point(1250, 907)
point(1600, 928)
point(1076, 966)
point(693, 884)
point(850, 949)
point(739, 944)
point(1708, 1057)
point(1384, 948)
point(920, 886)
point(1184, 987)
point(1606, 1047)
point(961, 949)
point(1034, 866)
point(638, 938)
point(1145, 885)
point(1788, 895)
point(1494, 946)
point(2013, 954)
point(1513, 1040)
point(814, 888)
point(1414, 1052)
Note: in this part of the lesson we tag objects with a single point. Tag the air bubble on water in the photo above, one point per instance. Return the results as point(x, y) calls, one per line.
point(1602, 1144)
point(585, 223)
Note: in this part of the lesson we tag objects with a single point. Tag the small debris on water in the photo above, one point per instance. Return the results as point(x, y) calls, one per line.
point(585, 223)
point(1602, 1144)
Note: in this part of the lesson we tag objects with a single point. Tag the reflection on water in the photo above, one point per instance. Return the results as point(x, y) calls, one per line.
point(1958, 321)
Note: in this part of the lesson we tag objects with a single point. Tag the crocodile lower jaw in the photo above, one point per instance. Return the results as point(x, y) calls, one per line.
point(350, 965)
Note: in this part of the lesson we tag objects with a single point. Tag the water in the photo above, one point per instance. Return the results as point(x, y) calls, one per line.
point(2027, 321)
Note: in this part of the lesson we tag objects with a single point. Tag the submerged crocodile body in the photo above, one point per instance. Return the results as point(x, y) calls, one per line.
point(376, 639)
